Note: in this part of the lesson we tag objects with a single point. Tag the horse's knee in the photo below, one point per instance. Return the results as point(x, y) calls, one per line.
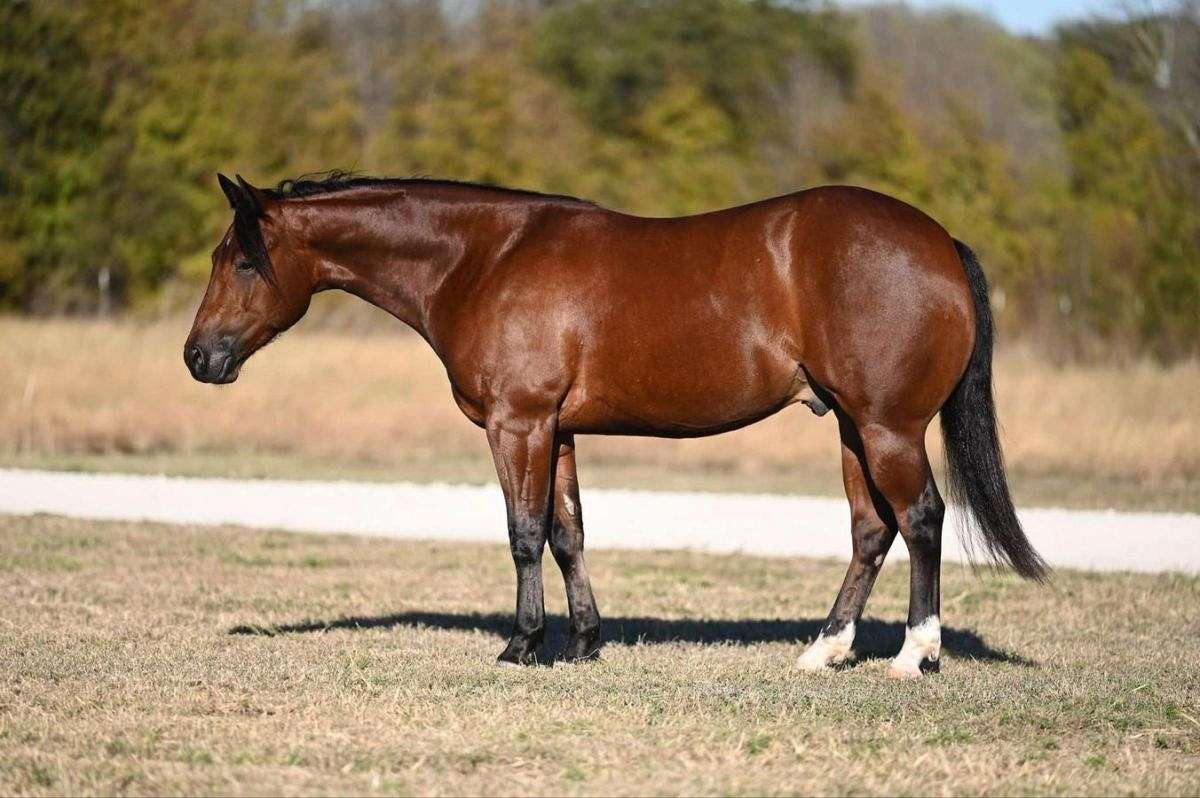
point(527, 540)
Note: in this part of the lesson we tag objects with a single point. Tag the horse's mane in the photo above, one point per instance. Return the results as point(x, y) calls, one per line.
point(309, 185)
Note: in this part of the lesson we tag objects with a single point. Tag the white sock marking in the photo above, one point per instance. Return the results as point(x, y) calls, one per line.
point(826, 651)
point(921, 642)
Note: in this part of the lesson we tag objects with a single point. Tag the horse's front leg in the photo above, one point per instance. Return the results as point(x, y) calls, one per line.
point(524, 450)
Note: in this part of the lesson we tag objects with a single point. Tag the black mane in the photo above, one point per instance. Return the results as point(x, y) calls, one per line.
point(328, 182)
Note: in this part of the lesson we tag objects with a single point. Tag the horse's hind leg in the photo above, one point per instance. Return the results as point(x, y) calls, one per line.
point(566, 543)
point(872, 537)
point(899, 467)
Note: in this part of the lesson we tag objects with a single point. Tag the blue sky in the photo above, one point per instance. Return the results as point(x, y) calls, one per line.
point(1026, 16)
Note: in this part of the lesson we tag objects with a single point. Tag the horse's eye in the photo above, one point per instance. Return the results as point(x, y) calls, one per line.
point(244, 266)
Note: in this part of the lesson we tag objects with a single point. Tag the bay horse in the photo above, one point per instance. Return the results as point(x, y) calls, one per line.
point(555, 317)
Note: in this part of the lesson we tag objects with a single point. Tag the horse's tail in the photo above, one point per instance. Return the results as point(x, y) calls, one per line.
point(974, 461)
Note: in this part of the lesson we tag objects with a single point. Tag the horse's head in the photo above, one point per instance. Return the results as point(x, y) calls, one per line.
point(259, 287)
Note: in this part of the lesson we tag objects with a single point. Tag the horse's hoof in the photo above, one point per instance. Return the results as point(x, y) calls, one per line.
point(582, 648)
point(827, 650)
point(907, 671)
point(903, 673)
point(519, 651)
point(817, 659)
point(507, 660)
point(921, 650)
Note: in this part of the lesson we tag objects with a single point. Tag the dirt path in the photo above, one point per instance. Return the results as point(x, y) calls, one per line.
point(757, 524)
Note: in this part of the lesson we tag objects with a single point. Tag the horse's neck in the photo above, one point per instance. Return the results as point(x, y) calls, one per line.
point(398, 258)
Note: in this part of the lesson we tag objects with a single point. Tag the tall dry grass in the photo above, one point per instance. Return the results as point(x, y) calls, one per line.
point(93, 387)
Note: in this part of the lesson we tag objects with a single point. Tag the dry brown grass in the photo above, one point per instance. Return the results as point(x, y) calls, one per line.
point(123, 670)
point(75, 393)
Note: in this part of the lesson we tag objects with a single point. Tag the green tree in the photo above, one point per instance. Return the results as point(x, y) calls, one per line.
point(617, 56)
point(1139, 268)
point(187, 88)
point(872, 143)
point(50, 124)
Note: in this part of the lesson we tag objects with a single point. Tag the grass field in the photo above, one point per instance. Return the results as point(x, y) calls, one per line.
point(144, 659)
point(376, 405)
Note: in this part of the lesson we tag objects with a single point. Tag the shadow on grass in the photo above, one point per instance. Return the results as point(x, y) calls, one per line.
point(874, 639)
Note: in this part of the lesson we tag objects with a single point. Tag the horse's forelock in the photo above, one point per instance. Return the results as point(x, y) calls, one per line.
point(247, 228)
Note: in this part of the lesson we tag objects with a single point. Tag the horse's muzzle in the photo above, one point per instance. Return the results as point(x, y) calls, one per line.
point(214, 364)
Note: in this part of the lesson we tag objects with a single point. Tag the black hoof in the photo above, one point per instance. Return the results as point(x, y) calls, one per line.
point(520, 651)
point(582, 647)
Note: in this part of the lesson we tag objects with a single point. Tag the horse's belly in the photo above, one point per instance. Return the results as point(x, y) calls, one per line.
point(681, 393)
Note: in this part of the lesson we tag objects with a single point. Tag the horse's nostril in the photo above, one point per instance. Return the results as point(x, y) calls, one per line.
point(195, 359)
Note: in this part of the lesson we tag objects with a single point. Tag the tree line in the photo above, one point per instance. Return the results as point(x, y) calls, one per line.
point(1070, 162)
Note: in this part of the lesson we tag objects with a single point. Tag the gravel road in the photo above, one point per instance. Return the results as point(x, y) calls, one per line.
point(631, 519)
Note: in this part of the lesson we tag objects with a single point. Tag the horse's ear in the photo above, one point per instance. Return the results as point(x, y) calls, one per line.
point(232, 193)
point(256, 198)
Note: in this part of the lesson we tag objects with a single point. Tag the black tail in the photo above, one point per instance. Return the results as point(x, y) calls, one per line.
point(974, 462)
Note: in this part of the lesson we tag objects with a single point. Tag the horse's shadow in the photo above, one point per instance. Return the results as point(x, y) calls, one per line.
point(874, 639)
